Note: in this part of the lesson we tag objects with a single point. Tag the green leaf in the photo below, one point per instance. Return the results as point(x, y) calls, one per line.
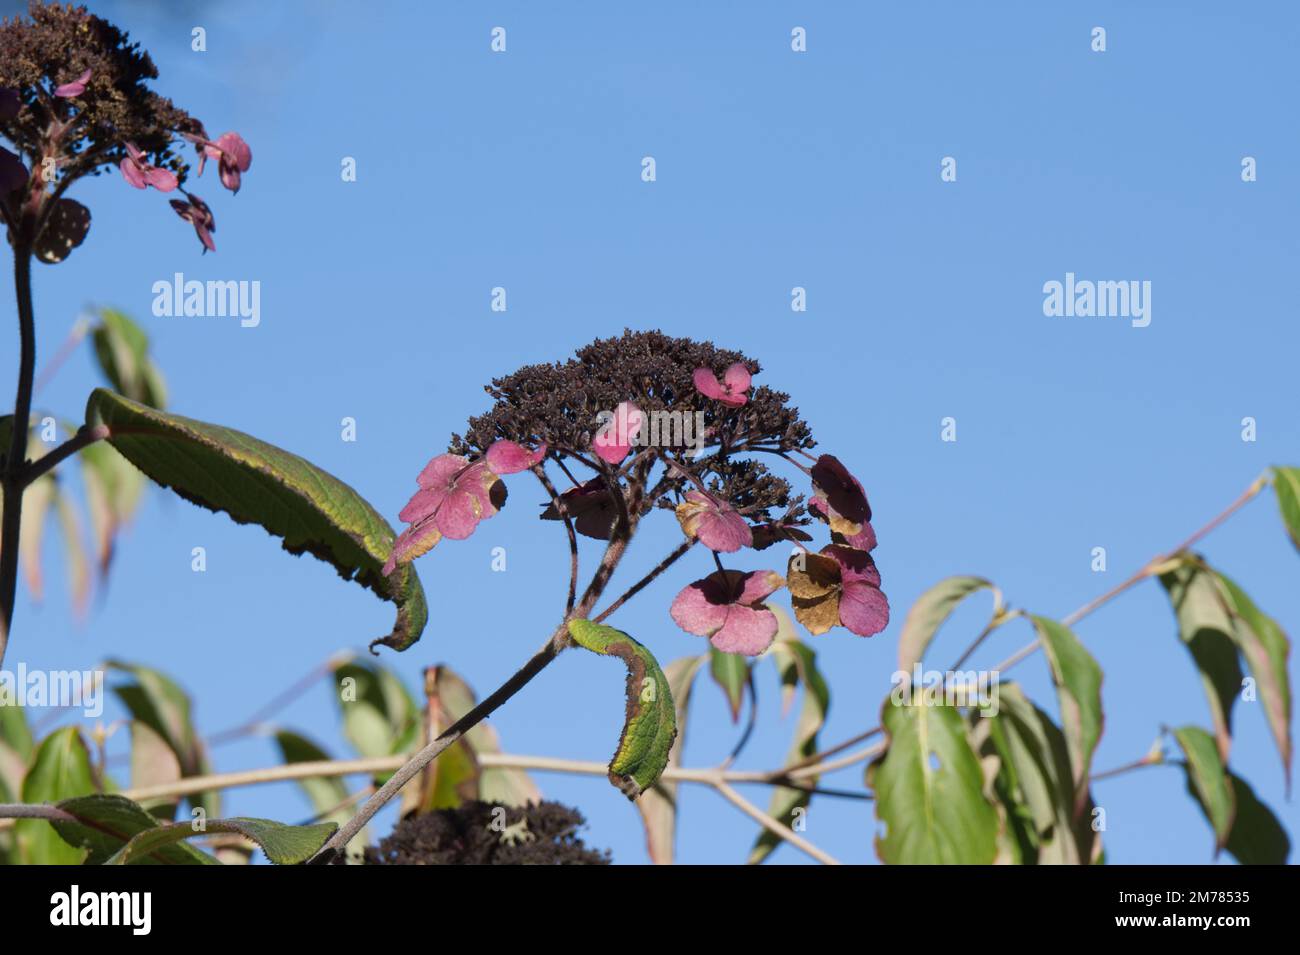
point(325, 793)
point(380, 717)
point(1078, 688)
point(283, 845)
point(1206, 629)
point(1257, 838)
point(1286, 485)
point(1266, 649)
point(255, 482)
point(731, 672)
point(38, 498)
point(507, 787)
point(122, 348)
point(797, 666)
point(156, 700)
point(1207, 781)
point(1035, 782)
point(153, 763)
point(113, 487)
point(59, 770)
point(929, 790)
point(650, 726)
point(930, 612)
point(14, 731)
point(105, 823)
point(658, 804)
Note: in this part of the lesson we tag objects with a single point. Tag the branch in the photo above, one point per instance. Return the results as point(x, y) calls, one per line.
point(85, 436)
point(770, 824)
point(430, 752)
point(645, 581)
point(562, 507)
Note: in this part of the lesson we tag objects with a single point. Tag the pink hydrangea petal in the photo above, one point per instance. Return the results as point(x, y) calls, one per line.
point(747, 630)
point(75, 88)
point(724, 531)
point(864, 539)
point(441, 471)
point(759, 585)
point(507, 457)
point(411, 543)
point(459, 514)
point(422, 504)
point(229, 176)
point(707, 384)
point(164, 180)
point(737, 378)
point(236, 150)
point(695, 612)
point(854, 564)
point(864, 609)
point(841, 490)
point(132, 173)
point(614, 441)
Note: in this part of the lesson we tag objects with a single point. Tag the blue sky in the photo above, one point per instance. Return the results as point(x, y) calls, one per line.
point(775, 169)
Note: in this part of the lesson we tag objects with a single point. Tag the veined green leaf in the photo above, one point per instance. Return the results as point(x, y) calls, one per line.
point(1266, 649)
point(283, 845)
point(1206, 628)
point(158, 701)
point(658, 804)
point(59, 770)
point(929, 790)
point(1207, 781)
point(325, 793)
point(650, 725)
point(380, 717)
point(930, 612)
point(797, 665)
point(1078, 687)
point(255, 482)
point(105, 823)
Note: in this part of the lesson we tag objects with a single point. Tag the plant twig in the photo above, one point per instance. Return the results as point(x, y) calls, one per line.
point(86, 435)
point(676, 553)
point(562, 508)
point(772, 825)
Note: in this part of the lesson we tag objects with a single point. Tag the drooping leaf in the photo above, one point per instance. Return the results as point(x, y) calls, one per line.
point(113, 488)
point(59, 770)
point(1035, 783)
point(1078, 688)
point(158, 701)
point(731, 672)
point(74, 554)
point(797, 666)
point(658, 804)
point(1286, 485)
point(930, 612)
point(122, 349)
point(929, 790)
point(1206, 629)
point(106, 823)
point(255, 482)
point(283, 845)
point(1266, 648)
point(650, 725)
point(1257, 838)
point(1207, 781)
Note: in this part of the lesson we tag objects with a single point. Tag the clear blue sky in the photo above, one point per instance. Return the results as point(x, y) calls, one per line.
point(775, 170)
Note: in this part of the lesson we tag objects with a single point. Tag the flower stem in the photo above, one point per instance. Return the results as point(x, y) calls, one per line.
point(11, 477)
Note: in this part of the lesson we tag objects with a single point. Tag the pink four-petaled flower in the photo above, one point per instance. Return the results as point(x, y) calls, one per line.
point(728, 609)
point(137, 171)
